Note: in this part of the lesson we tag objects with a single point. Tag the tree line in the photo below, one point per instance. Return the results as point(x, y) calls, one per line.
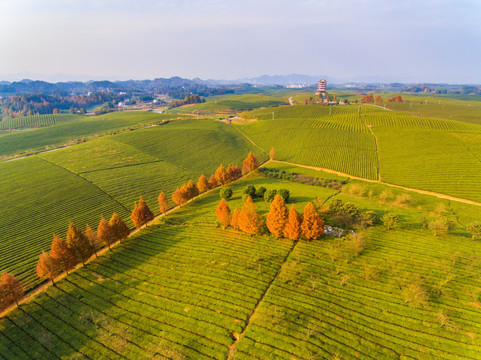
point(79, 246)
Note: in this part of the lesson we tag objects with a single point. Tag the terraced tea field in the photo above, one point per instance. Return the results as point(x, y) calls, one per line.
point(73, 130)
point(230, 104)
point(35, 121)
point(439, 155)
point(184, 288)
point(308, 135)
point(42, 193)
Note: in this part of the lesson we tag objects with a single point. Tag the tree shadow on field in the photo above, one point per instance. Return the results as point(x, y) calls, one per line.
point(102, 309)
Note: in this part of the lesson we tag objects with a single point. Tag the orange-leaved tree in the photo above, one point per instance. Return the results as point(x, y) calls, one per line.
point(212, 181)
point(272, 153)
point(223, 213)
point(312, 226)
point(234, 221)
point(378, 98)
point(105, 233)
point(78, 243)
point(250, 163)
point(141, 214)
point(184, 190)
point(47, 267)
point(61, 254)
point(163, 202)
point(293, 226)
point(11, 290)
point(249, 220)
point(92, 237)
point(234, 172)
point(192, 190)
point(119, 227)
point(221, 175)
point(277, 216)
point(178, 197)
point(203, 184)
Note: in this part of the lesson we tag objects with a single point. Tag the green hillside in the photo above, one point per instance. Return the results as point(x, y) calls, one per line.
point(42, 193)
point(72, 129)
point(185, 288)
point(231, 104)
point(439, 155)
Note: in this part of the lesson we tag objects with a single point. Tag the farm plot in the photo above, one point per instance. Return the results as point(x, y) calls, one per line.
point(71, 132)
point(34, 121)
point(178, 291)
point(185, 288)
point(338, 141)
point(430, 160)
point(38, 199)
point(401, 120)
point(84, 182)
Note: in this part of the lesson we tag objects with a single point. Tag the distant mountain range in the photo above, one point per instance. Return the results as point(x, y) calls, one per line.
point(165, 85)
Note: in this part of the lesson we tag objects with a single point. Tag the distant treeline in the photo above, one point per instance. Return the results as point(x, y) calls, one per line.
point(33, 104)
point(191, 99)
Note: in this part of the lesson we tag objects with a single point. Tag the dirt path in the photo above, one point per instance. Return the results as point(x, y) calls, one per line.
point(380, 107)
point(424, 192)
point(291, 102)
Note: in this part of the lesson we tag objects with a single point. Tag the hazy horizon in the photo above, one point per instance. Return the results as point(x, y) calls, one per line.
point(435, 41)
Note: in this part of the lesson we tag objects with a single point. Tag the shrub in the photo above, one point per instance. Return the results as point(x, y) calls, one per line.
point(285, 194)
point(249, 190)
point(402, 200)
point(225, 193)
point(414, 294)
point(269, 195)
point(260, 191)
point(475, 230)
point(367, 218)
point(385, 196)
point(335, 206)
point(441, 226)
point(390, 220)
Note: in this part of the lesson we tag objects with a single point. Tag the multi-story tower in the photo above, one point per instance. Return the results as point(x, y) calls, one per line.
point(321, 88)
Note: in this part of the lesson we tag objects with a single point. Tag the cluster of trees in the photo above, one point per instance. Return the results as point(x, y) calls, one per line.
point(395, 99)
point(303, 179)
point(34, 104)
point(260, 192)
point(189, 99)
point(279, 221)
point(370, 99)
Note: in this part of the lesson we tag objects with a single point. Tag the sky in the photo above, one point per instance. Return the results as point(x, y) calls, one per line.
point(350, 40)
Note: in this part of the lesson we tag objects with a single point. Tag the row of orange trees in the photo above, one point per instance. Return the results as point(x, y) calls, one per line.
point(79, 245)
point(221, 176)
point(279, 221)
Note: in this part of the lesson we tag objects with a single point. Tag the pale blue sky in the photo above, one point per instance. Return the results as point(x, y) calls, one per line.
point(403, 40)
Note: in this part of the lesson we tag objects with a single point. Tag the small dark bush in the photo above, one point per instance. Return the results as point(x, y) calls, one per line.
point(225, 193)
point(269, 195)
